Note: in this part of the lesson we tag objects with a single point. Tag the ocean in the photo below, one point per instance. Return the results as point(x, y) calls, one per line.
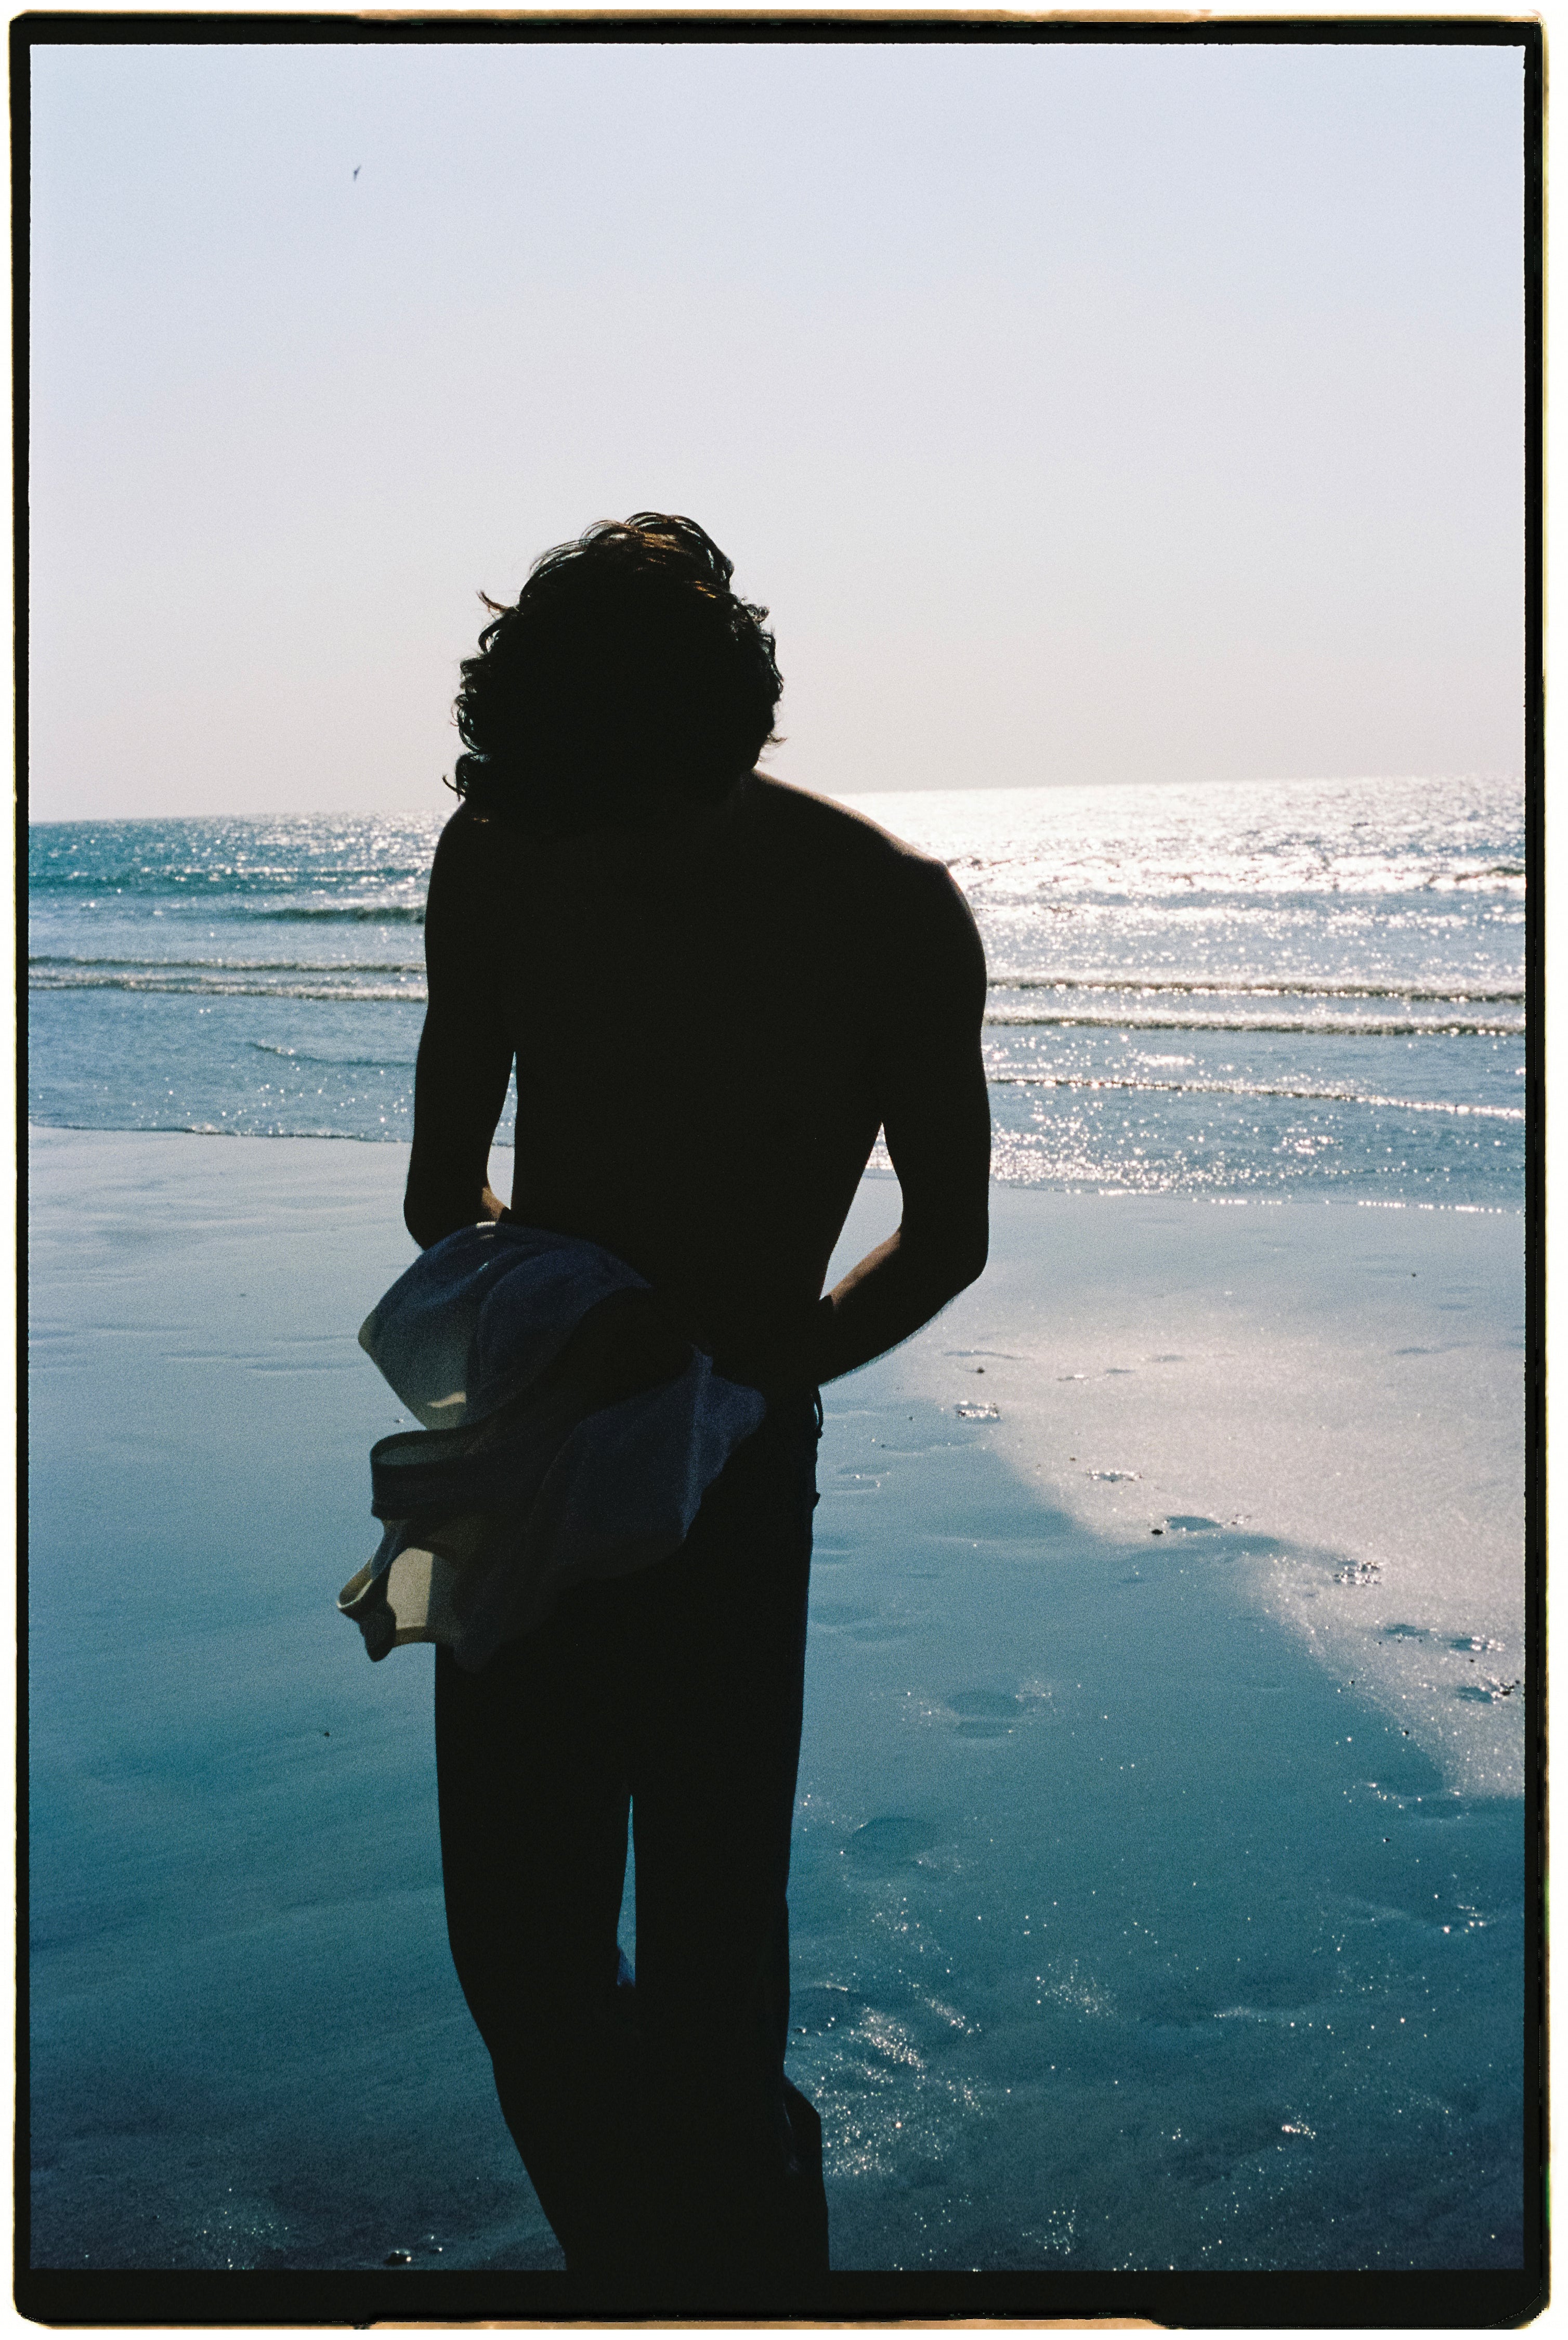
point(1234, 989)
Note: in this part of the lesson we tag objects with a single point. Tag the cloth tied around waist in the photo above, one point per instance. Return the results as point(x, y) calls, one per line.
point(509, 1492)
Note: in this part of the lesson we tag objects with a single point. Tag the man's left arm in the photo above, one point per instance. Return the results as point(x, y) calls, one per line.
point(936, 1118)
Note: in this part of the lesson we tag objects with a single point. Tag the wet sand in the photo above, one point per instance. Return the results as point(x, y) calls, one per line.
point(1156, 1896)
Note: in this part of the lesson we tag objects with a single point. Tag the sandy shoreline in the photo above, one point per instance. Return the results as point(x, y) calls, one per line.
point(1344, 1380)
point(1156, 1899)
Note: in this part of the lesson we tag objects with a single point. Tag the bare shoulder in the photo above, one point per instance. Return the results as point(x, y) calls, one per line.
point(833, 837)
point(460, 846)
point(476, 859)
point(893, 881)
point(903, 902)
point(460, 904)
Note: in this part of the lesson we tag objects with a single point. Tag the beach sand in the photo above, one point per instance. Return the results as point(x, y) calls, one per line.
point(1157, 1899)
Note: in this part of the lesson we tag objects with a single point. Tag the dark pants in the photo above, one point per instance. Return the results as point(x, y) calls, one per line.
point(668, 2150)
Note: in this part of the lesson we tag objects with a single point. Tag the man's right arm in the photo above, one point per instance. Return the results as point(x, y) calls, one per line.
point(464, 1062)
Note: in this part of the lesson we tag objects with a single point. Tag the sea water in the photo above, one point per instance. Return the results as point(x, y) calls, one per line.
point(1236, 988)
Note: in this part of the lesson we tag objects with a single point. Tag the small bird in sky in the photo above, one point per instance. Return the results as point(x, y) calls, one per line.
point(358, 168)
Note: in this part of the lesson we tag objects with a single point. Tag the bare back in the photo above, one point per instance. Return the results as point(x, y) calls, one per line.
point(711, 1015)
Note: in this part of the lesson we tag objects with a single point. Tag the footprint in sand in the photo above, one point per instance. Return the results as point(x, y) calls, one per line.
point(839, 1616)
point(1359, 1572)
point(880, 1628)
point(982, 1713)
point(824, 2006)
point(889, 1841)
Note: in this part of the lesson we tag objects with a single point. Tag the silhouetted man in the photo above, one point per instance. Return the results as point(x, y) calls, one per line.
point(715, 989)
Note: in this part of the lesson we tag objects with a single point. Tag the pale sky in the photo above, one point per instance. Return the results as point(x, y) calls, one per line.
point(1083, 414)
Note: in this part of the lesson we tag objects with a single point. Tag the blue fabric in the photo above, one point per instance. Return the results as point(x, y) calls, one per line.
point(509, 1492)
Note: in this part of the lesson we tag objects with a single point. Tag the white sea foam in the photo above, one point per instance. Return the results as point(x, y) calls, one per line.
point(1371, 1027)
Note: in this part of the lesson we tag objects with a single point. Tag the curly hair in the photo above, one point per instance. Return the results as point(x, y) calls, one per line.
point(626, 667)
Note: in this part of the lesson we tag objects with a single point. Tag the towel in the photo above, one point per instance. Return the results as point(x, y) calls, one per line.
point(509, 1492)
